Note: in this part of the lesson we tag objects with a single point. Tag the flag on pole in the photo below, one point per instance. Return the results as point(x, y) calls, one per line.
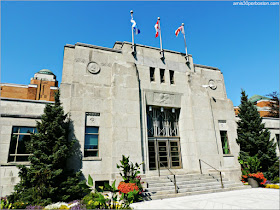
point(134, 26)
point(157, 28)
point(180, 29)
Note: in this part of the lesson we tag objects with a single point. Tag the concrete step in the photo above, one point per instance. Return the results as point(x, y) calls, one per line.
point(183, 182)
point(187, 184)
point(150, 196)
point(182, 185)
point(179, 178)
point(171, 189)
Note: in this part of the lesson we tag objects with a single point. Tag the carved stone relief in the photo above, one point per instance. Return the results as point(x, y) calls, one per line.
point(93, 68)
point(163, 99)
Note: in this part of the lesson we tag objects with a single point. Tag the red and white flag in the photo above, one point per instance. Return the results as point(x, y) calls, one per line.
point(180, 29)
point(157, 28)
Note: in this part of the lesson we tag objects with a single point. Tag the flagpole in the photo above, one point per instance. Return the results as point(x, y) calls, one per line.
point(131, 12)
point(160, 36)
point(187, 57)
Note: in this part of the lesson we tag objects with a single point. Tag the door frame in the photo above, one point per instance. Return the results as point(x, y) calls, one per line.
point(168, 140)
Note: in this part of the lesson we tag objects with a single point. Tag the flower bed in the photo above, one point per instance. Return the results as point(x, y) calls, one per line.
point(259, 177)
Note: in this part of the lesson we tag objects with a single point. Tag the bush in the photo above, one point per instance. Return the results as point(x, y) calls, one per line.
point(127, 187)
point(48, 179)
point(131, 187)
point(5, 204)
point(273, 172)
point(111, 200)
point(259, 177)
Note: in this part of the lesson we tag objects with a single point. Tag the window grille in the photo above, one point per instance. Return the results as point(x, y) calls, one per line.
point(162, 123)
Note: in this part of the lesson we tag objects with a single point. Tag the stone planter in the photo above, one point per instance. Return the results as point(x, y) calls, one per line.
point(253, 183)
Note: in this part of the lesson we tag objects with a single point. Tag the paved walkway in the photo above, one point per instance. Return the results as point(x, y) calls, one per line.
point(255, 198)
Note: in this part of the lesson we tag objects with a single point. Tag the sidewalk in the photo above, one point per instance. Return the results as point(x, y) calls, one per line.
point(255, 198)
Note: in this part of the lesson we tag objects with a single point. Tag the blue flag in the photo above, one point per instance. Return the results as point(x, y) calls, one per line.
point(134, 26)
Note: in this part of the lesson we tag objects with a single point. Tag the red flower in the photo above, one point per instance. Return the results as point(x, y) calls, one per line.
point(127, 187)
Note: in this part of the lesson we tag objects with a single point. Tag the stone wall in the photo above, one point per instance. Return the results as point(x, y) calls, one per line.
point(116, 84)
point(15, 112)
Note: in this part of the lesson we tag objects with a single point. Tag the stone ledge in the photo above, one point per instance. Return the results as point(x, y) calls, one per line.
point(15, 164)
point(91, 159)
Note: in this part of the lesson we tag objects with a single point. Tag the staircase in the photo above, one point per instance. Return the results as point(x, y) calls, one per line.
point(187, 184)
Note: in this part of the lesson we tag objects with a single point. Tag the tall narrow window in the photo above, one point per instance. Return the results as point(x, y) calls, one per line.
point(152, 74)
point(171, 76)
point(20, 138)
point(91, 141)
point(224, 139)
point(162, 77)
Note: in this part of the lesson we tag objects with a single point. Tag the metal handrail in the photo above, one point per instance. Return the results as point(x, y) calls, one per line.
point(213, 168)
point(175, 184)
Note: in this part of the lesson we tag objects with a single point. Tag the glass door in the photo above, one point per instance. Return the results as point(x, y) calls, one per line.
point(175, 154)
point(163, 154)
point(152, 155)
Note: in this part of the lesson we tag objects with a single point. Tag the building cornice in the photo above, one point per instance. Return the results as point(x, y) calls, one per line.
point(26, 100)
point(207, 67)
point(93, 46)
point(21, 116)
point(13, 85)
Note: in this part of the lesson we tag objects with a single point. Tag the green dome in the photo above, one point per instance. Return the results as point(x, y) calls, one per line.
point(45, 71)
point(256, 98)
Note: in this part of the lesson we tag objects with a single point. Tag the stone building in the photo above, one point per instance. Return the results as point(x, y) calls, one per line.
point(21, 106)
point(159, 110)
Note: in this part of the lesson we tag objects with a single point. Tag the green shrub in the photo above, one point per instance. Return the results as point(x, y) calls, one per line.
point(19, 205)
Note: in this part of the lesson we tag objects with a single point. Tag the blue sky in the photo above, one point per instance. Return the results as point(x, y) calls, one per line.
point(243, 41)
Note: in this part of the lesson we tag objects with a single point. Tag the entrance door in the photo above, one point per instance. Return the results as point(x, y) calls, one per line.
point(164, 153)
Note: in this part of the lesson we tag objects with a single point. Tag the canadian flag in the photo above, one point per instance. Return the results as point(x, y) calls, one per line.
point(157, 28)
point(181, 28)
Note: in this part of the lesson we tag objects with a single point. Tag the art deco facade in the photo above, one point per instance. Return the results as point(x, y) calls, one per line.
point(161, 111)
point(156, 108)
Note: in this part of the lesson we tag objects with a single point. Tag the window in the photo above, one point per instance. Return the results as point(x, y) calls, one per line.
point(162, 122)
point(224, 140)
point(162, 77)
point(20, 138)
point(152, 74)
point(171, 76)
point(101, 185)
point(91, 141)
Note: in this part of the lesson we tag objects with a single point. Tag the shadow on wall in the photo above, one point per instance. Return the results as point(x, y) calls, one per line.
point(75, 160)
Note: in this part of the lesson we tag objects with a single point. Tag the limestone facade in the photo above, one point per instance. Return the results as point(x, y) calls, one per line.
point(159, 112)
point(115, 91)
point(15, 113)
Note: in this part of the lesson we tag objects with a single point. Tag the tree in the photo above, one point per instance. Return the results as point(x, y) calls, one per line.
point(48, 179)
point(274, 105)
point(253, 137)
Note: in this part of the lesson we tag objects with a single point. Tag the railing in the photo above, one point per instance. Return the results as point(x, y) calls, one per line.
point(175, 184)
point(213, 168)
